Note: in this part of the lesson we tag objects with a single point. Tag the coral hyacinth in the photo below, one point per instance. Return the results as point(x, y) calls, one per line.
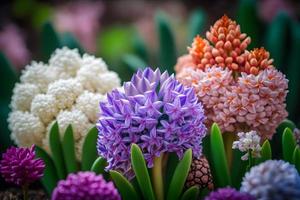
point(240, 90)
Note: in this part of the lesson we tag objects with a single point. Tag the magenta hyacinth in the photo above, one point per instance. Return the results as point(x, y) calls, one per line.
point(228, 194)
point(19, 166)
point(85, 185)
point(154, 111)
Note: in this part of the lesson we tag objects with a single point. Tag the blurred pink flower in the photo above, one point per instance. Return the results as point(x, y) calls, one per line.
point(82, 19)
point(12, 44)
point(268, 9)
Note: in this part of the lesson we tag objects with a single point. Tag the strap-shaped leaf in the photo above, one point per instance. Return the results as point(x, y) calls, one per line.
point(196, 24)
point(266, 153)
point(179, 177)
point(276, 143)
point(191, 193)
point(125, 188)
point(219, 165)
point(57, 152)
point(50, 40)
point(288, 145)
point(248, 19)
point(68, 39)
point(167, 47)
point(89, 149)
point(276, 39)
point(296, 158)
point(238, 168)
point(134, 62)
point(8, 77)
point(69, 151)
point(141, 172)
point(140, 48)
point(99, 165)
point(50, 178)
point(172, 163)
point(293, 71)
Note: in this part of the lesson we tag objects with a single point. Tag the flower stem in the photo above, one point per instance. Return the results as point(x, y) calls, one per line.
point(25, 192)
point(250, 158)
point(157, 177)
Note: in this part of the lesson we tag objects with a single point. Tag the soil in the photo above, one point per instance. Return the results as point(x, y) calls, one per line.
point(16, 194)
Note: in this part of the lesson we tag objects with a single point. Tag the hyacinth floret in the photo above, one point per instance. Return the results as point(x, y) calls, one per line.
point(19, 166)
point(156, 112)
point(85, 185)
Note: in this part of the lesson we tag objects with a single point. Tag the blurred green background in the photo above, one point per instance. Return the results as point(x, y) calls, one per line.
point(132, 34)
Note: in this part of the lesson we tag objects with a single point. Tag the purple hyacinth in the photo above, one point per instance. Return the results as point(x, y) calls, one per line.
point(154, 111)
point(85, 185)
point(19, 166)
point(228, 194)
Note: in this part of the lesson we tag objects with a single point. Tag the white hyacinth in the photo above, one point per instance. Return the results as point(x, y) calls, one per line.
point(67, 90)
point(248, 142)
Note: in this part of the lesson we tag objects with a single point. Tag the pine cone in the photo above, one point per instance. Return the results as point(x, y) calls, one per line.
point(200, 174)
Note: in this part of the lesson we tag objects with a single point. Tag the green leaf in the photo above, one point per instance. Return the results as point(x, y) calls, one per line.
point(167, 47)
point(57, 152)
point(68, 40)
point(191, 193)
point(50, 40)
point(69, 150)
point(141, 172)
point(288, 145)
point(196, 24)
point(89, 150)
point(238, 168)
point(266, 153)
point(172, 163)
point(50, 177)
point(140, 48)
point(179, 177)
point(8, 77)
point(125, 188)
point(134, 62)
point(296, 158)
point(293, 71)
point(276, 144)
point(99, 165)
point(276, 39)
point(249, 21)
point(219, 165)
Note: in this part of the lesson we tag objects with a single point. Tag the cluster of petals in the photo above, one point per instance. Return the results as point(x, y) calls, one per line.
point(248, 142)
point(272, 179)
point(241, 90)
point(154, 111)
point(85, 185)
point(20, 166)
point(67, 89)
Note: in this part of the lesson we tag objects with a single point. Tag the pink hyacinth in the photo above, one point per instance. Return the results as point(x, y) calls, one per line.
point(82, 19)
point(12, 44)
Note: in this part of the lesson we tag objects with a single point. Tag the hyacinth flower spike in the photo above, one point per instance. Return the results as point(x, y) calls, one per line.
point(157, 113)
point(20, 167)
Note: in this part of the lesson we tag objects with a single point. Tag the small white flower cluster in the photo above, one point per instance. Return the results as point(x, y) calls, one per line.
point(248, 142)
point(67, 90)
